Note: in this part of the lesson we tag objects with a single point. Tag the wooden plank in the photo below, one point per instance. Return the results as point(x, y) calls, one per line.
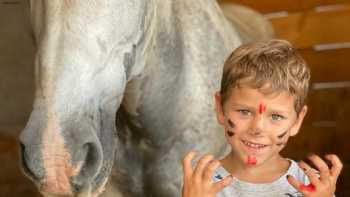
point(267, 6)
point(309, 140)
point(7, 144)
point(321, 142)
point(343, 183)
point(310, 28)
point(328, 65)
point(329, 108)
point(326, 125)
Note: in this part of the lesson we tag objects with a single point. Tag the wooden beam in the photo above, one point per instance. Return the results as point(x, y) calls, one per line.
point(310, 28)
point(328, 65)
point(329, 108)
point(267, 6)
point(309, 139)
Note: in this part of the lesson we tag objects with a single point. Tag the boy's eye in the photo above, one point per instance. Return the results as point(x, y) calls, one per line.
point(277, 117)
point(244, 112)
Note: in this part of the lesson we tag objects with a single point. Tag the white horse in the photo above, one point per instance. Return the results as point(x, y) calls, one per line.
point(156, 62)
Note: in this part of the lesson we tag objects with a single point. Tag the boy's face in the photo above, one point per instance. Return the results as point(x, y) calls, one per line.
point(258, 125)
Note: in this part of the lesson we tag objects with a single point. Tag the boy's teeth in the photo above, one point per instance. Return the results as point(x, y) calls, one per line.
point(254, 145)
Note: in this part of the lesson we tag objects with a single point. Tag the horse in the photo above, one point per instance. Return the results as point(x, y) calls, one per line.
point(123, 90)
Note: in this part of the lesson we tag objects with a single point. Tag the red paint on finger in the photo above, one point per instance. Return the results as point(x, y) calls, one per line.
point(310, 187)
point(251, 160)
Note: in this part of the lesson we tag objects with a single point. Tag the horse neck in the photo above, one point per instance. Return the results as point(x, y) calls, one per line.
point(145, 42)
point(176, 46)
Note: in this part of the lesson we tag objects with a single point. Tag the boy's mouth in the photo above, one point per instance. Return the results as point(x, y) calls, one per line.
point(253, 146)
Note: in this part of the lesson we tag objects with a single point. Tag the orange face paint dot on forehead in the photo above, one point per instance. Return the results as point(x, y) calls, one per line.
point(262, 108)
point(251, 160)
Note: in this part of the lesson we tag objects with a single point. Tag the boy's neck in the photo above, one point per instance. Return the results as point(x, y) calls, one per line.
point(266, 172)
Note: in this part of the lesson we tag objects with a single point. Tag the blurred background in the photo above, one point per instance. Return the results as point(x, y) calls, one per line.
point(320, 29)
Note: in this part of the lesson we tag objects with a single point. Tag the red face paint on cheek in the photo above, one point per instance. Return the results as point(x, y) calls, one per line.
point(251, 160)
point(262, 108)
point(310, 187)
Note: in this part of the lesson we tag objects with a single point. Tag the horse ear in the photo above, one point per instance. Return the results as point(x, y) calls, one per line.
point(219, 110)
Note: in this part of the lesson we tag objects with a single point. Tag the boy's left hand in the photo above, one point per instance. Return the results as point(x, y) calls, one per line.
point(322, 185)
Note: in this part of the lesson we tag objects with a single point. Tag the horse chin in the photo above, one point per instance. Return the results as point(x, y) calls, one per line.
point(98, 191)
point(75, 195)
point(86, 191)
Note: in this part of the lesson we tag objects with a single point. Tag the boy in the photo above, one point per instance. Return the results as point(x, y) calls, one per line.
point(260, 105)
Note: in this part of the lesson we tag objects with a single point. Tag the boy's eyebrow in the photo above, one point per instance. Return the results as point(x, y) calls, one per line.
point(275, 110)
point(279, 111)
point(242, 105)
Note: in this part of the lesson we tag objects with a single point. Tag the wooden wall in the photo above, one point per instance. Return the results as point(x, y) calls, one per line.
point(320, 29)
point(16, 94)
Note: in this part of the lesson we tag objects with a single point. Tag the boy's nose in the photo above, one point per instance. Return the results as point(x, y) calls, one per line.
point(257, 125)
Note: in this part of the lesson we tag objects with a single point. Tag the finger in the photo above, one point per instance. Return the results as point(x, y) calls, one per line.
point(187, 164)
point(321, 166)
point(211, 167)
point(203, 162)
point(304, 189)
point(218, 186)
point(294, 182)
point(310, 173)
point(308, 188)
point(337, 165)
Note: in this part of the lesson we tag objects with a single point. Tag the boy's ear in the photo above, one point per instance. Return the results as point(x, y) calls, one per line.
point(219, 110)
point(299, 121)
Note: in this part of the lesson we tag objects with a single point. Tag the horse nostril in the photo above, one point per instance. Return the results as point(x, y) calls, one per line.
point(91, 165)
point(24, 161)
point(93, 160)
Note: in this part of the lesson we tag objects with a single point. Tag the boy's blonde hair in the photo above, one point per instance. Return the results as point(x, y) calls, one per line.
point(274, 63)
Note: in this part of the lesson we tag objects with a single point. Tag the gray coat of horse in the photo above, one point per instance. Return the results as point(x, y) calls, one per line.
point(156, 62)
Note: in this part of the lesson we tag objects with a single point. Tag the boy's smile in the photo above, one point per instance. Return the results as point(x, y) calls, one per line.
point(258, 124)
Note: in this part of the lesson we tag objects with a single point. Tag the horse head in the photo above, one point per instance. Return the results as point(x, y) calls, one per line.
point(86, 52)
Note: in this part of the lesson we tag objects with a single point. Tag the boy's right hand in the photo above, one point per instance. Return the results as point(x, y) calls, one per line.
point(199, 182)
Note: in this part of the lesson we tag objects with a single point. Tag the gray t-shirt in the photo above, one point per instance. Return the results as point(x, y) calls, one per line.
point(277, 188)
